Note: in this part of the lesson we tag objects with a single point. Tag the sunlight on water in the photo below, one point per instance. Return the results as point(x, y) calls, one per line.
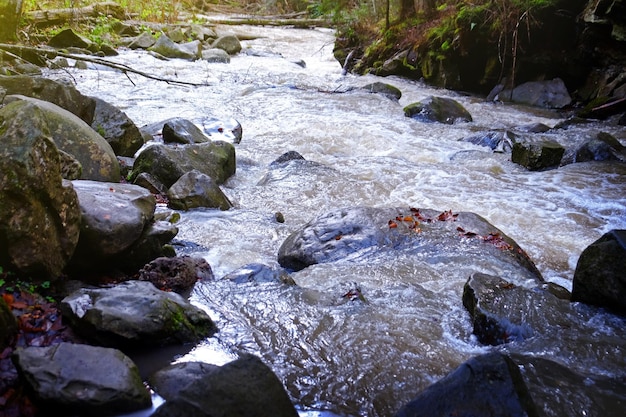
point(360, 358)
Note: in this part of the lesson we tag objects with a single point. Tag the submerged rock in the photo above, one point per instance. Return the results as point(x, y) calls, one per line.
point(135, 313)
point(455, 239)
point(496, 140)
point(599, 278)
point(438, 109)
point(71, 378)
point(241, 388)
point(497, 385)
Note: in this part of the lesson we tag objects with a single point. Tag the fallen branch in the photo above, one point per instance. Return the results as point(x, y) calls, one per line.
point(38, 56)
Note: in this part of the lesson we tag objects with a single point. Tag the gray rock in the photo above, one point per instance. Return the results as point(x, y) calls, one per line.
point(241, 388)
point(117, 129)
point(166, 47)
point(438, 109)
point(88, 380)
point(135, 313)
point(550, 94)
point(228, 43)
point(216, 55)
point(537, 153)
point(68, 38)
point(457, 240)
point(178, 274)
point(144, 41)
point(153, 243)
point(77, 138)
point(195, 189)
point(201, 32)
point(179, 130)
point(39, 212)
point(114, 217)
point(63, 95)
point(170, 381)
point(602, 147)
point(168, 163)
point(516, 385)
point(487, 385)
point(384, 89)
point(599, 278)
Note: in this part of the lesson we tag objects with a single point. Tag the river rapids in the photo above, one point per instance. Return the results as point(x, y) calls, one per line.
point(353, 358)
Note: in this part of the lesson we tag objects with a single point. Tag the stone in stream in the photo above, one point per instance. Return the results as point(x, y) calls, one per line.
point(135, 314)
point(599, 278)
point(68, 378)
point(537, 153)
point(438, 109)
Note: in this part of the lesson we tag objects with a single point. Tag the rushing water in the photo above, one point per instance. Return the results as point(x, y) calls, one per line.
point(354, 358)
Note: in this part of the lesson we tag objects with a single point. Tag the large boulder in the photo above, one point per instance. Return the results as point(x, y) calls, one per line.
point(438, 109)
point(63, 95)
point(550, 94)
point(77, 138)
point(67, 379)
point(168, 163)
point(495, 384)
point(117, 129)
point(39, 212)
point(459, 239)
point(114, 217)
point(135, 313)
point(599, 278)
point(241, 388)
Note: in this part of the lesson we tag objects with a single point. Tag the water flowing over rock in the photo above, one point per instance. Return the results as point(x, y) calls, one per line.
point(63, 95)
point(114, 218)
point(89, 380)
point(241, 388)
point(498, 141)
point(602, 147)
point(599, 277)
point(135, 313)
point(438, 109)
point(39, 212)
point(77, 138)
point(359, 232)
point(117, 129)
point(168, 163)
point(195, 189)
point(496, 384)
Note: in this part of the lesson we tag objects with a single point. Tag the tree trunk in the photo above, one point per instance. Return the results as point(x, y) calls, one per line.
point(407, 9)
point(10, 16)
point(424, 6)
